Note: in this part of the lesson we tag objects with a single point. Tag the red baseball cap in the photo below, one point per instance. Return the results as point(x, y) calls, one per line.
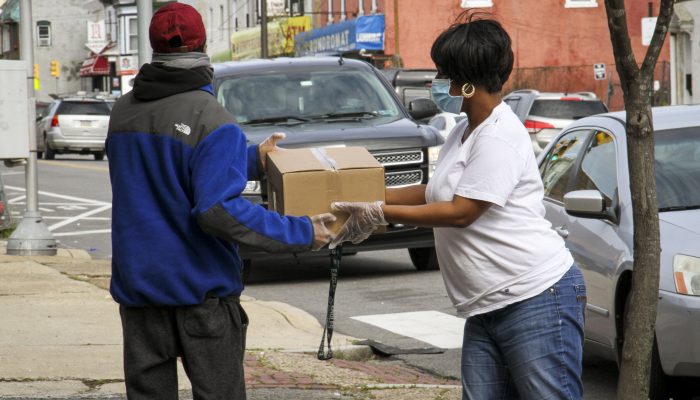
point(176, 28)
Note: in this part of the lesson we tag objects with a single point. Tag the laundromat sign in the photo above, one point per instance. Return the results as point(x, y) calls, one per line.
point(366, 32)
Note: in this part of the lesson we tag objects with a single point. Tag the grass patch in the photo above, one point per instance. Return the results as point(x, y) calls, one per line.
point(5, 233)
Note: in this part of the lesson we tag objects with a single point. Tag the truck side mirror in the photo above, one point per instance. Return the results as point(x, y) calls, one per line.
point(422, 108)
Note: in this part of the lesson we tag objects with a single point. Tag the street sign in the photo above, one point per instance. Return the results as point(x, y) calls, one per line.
point(599, 72)
point(14, 110)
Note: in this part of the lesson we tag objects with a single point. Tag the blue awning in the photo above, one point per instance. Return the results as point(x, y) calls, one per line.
point(365, 32)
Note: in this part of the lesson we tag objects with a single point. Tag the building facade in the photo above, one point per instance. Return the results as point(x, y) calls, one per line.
point(557, 43)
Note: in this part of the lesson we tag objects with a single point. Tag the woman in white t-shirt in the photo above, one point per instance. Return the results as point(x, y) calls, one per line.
point(504, 268)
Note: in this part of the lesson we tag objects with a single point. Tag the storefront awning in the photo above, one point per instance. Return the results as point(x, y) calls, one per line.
point(365, 32)
point(95, 66)
point(10, 11)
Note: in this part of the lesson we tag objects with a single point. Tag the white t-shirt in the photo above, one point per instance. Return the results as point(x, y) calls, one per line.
point(510, 253)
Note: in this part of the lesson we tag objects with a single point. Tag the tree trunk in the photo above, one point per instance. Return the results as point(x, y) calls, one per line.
point(633, 383)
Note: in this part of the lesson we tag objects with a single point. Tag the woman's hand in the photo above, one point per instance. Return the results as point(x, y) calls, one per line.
point(363, 220)
point(268, 145)
point(321, 233)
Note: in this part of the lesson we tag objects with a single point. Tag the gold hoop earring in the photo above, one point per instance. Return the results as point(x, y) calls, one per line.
point(468, 90)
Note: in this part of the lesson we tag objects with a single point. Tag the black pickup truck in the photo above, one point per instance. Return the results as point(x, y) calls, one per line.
point(331, 101)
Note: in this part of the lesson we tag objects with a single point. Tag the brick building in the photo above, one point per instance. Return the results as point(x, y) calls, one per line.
point(556, 42)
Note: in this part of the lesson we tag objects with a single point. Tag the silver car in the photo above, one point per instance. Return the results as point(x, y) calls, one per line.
point(74, 125)
point(587, 200)
point(545, 114)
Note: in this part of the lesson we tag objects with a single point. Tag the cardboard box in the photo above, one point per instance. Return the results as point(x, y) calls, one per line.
point(306, 181)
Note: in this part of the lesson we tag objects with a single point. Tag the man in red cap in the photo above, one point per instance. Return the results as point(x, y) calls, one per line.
point(178, 167)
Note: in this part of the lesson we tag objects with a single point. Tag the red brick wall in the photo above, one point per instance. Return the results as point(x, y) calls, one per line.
point(554, 47)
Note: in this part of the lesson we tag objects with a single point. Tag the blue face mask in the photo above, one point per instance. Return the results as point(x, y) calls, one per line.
point(440, 92)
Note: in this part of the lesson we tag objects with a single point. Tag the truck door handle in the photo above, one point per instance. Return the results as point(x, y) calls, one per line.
point(562, 231)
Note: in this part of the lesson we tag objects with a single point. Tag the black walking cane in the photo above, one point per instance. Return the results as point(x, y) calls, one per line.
point(336, 254)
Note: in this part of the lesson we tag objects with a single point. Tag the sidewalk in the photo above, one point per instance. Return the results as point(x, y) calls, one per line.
point(60, 338)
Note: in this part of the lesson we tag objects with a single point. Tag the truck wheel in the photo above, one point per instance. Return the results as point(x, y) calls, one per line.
point(49, 153)
point(424, 258)
point(99, 155)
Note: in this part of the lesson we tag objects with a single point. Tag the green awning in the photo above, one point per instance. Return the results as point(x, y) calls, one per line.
point(10, 11)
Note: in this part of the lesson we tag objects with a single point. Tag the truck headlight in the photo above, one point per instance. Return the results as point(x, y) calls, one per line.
point(686, 273)
point(432, 159)
point(252, 187)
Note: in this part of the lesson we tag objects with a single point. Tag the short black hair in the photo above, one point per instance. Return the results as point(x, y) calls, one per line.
point(476, 50)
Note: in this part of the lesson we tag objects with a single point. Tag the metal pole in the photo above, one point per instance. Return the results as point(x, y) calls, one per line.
point(263, 28)
point(144, 10)
point(31, 237)
point(342, 10)
point(360, 7)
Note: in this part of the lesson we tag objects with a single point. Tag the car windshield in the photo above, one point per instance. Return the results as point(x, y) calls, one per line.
point(566, 109)
point(300, 96)
point(677, 154)
point(83, 108)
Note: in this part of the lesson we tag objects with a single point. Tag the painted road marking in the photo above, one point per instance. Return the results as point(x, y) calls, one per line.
point(73, 204)
point(433, 327)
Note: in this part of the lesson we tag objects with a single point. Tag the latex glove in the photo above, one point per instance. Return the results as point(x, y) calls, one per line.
point(364, 219)
point(321, 233)
point(268, 145)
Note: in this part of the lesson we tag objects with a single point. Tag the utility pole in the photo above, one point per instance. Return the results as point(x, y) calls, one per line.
point(32, 237)
point(144, 10)
point(263, 28)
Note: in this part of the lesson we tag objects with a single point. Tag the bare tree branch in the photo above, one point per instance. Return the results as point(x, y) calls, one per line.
point(657, 41)
point(617, 23)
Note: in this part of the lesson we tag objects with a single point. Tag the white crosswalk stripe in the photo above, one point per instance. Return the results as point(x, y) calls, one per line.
point(432, 327)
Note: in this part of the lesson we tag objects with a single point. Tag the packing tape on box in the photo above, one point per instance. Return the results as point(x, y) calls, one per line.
point(333, 181)
point(324, 158)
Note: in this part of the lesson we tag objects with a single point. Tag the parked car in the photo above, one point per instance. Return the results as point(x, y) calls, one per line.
point(587, 200)
point(331, 101)
point(410, 84)
point(445, 121)
point(545, 114)
point(75, 124)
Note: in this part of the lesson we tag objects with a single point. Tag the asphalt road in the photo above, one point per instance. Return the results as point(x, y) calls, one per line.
point(381, 286)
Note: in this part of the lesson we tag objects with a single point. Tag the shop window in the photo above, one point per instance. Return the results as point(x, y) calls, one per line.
point(476, 3)
point(43, 33)
point(580, 3)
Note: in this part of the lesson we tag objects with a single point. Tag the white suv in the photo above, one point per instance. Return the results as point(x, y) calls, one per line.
point(545, 114)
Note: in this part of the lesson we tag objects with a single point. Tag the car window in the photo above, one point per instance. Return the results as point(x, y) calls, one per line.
point(599, 166)
point(677, 154)
point(305, 94)
point(410, 94)
point(566, 109)
point(83, 108)
point(557, 164)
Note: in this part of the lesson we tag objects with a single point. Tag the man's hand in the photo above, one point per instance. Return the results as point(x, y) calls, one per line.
point(268, 145)
point(321, 233)
point(364, 219)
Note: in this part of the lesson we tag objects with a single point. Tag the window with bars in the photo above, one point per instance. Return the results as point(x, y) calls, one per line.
point(43, 33)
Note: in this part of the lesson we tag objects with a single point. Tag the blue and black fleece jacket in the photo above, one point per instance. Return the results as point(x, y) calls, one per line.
point(178, 165)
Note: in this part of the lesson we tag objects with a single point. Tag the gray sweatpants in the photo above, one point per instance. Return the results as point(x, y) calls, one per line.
point(210, 339)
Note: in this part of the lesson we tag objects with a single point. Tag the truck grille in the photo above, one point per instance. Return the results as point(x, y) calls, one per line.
point(393, 158)
point(403, 178)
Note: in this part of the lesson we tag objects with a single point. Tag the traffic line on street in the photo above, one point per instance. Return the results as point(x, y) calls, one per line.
point(79, 233)
point(432, 327)
point(79, 217)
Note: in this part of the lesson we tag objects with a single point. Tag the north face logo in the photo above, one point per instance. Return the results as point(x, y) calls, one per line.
point(183, 128)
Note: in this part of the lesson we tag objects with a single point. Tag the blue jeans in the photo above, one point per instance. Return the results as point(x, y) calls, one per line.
point(528, 350)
